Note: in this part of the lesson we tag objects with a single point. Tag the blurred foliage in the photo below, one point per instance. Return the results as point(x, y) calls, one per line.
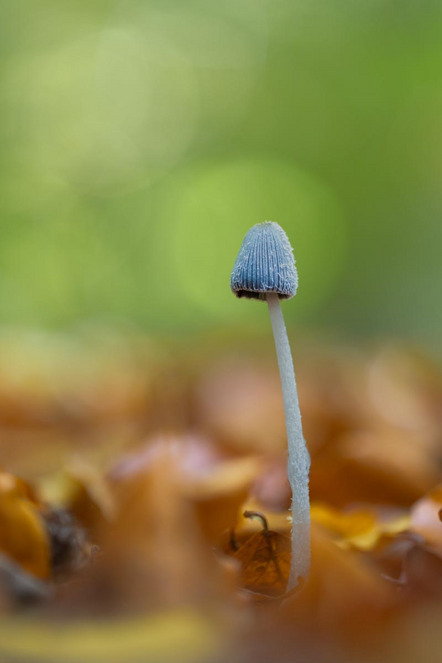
point(140, 140)
point(152, 520)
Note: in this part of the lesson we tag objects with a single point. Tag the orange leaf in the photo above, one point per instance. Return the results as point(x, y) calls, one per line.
point(265, 560)
point(22, 534)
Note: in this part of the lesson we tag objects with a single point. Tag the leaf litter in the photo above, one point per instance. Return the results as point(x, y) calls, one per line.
point(127, 533)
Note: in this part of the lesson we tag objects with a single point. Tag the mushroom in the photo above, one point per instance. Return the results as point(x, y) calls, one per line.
point(265, 269)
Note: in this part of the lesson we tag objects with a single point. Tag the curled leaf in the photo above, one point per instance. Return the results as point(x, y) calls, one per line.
point(22, 533)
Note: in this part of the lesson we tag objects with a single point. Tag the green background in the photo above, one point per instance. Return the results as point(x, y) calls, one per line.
point(140, 141)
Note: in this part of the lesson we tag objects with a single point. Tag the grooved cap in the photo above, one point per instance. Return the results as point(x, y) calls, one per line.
point(265, 263)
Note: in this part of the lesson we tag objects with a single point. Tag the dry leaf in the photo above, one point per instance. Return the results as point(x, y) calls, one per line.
point(380, 467)
point(215, 485)
point(165, 511)
point(345, 596)
point(264, 558)
point(240, 402)
point(22, 533)
point(265, 563)
point(155, 552)
point(359, 528)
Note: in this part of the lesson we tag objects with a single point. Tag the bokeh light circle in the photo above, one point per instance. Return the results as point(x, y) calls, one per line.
point(210, 207)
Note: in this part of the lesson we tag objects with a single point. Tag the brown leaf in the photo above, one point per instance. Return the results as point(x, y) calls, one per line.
point(382, 467)
point(423, 571)
point(215, 485)
point(344, 594)
point(218, 497)
point(265, 560)
point(240, 402)
point(154, 553)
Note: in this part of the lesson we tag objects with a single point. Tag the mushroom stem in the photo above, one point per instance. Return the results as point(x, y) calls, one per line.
point(299, 459)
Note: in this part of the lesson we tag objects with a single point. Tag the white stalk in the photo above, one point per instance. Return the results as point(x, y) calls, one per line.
point(299, 459)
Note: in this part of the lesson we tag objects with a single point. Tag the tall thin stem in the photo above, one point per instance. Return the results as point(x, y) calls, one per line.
point(299, 459)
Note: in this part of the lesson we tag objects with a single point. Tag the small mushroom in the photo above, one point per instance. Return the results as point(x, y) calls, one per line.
point(265, 269)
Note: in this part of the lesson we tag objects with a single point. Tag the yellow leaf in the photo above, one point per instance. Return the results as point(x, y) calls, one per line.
point(360, 528)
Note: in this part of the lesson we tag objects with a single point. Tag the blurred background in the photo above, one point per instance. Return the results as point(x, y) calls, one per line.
point(141, 139)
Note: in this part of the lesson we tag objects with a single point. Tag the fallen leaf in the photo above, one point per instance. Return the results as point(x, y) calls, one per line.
point(265, 560)
point(344, 596)
point(155, 553)
point(423, 571)
point(358, 528)
point(240, 402)
point(218, 497)
point(216, 485)
point(22, 533)
point(375, 466)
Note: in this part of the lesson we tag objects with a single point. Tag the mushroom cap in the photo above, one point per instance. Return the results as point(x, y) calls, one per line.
point(265, 263)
